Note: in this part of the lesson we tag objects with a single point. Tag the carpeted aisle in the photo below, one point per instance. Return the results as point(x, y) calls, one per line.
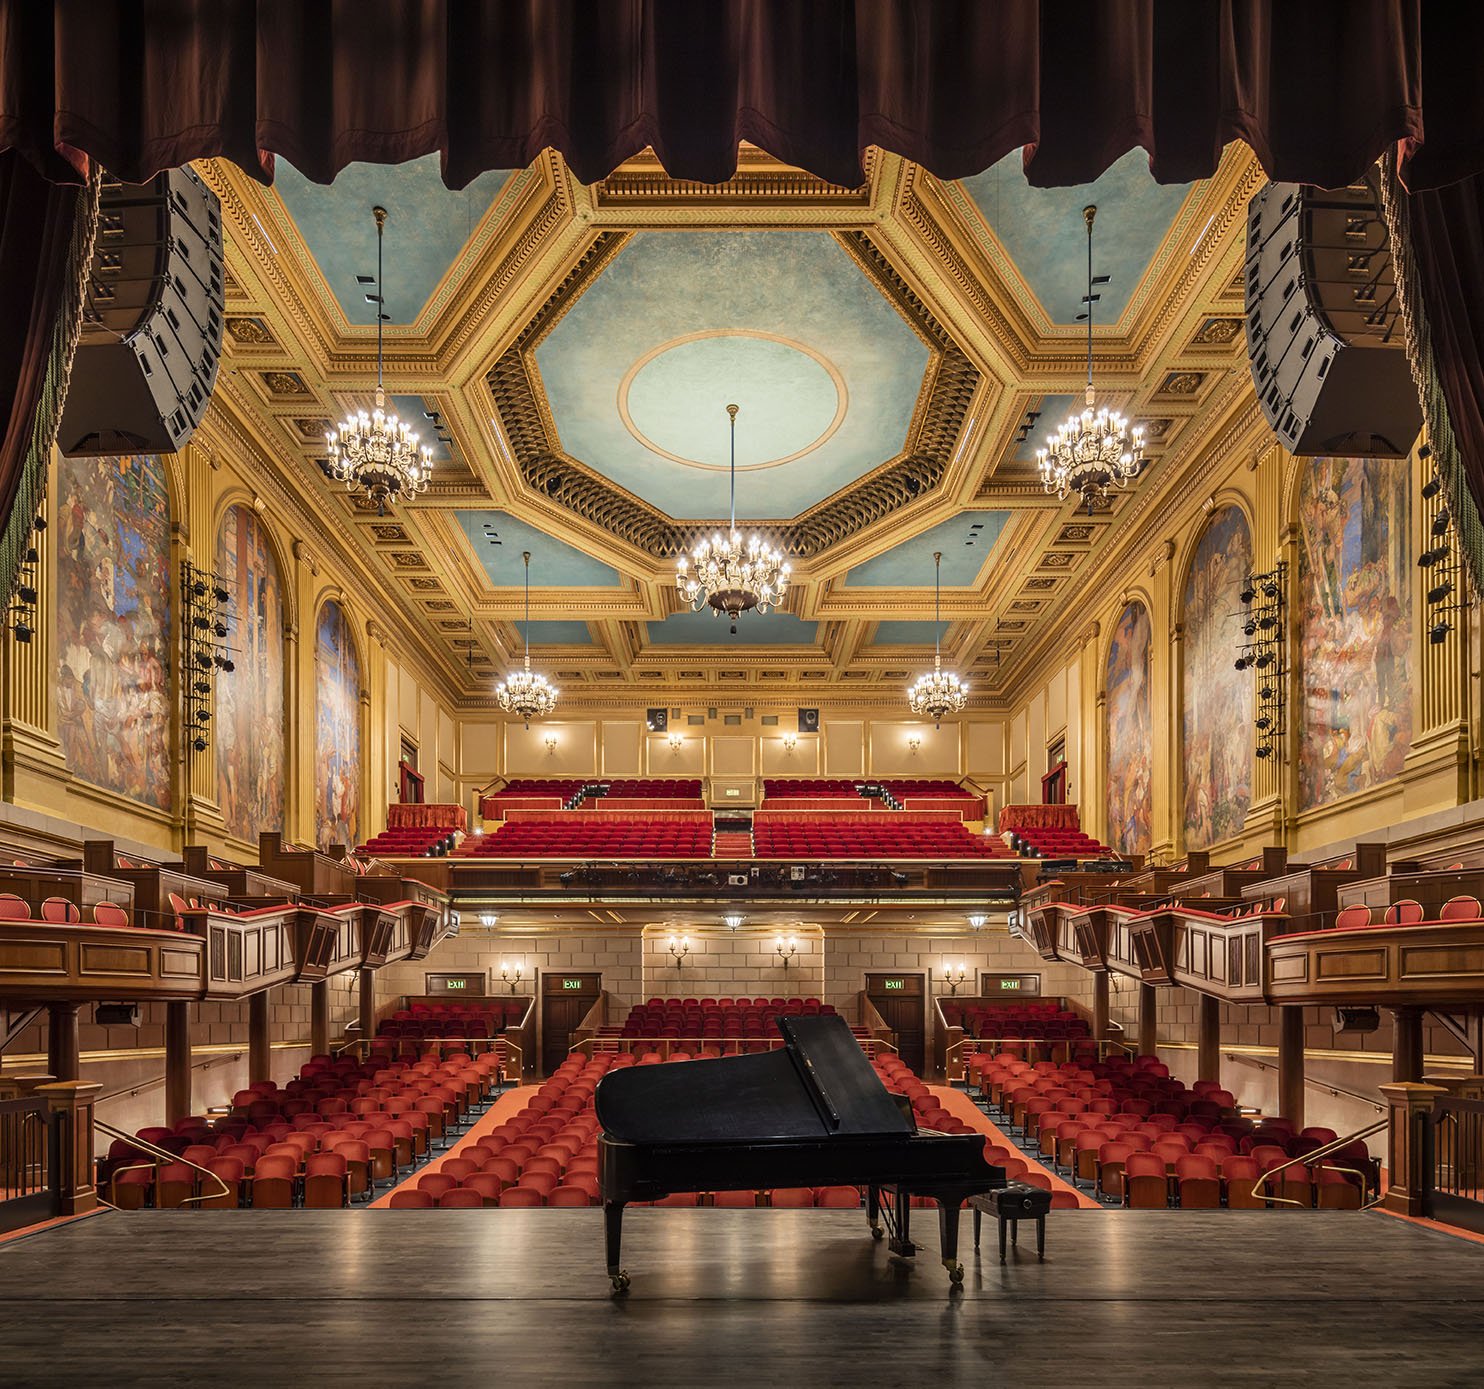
point(510, 1103)
point(958, 1104)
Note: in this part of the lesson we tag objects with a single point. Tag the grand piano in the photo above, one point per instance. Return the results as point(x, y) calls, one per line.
point(811, 1113)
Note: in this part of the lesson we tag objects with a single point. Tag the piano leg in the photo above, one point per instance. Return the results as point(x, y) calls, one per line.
point(901, 1234)
point(613, 1231)
point(948, 1212)
point(873, 1210)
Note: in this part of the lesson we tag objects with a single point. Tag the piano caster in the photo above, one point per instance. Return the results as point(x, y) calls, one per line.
point(877, 1232)
point(955, 1274)
point(620, 1281)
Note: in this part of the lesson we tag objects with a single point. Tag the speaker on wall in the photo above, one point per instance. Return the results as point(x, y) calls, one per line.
point(151, 335)
point(808, 720)
point(1324, 334)
point(657, 720)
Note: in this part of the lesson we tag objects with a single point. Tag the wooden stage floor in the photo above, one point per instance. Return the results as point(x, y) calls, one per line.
point(747, 1297)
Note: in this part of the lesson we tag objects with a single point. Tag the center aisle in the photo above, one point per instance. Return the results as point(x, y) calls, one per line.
point(510, 1103)
point(958, 1104)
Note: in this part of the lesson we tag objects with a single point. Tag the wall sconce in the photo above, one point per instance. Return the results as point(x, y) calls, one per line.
point(551, 744)
point(790, 741)
point(675, 742)
point(914, 741)
point(786, 950)
point(489, 920)
point(510, 973)
point(733, 920)
point(977, 921)
point(955, 975)
point(679, 949)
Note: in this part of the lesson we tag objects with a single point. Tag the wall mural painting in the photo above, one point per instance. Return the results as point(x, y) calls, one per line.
point(1355, 624)
point(1218, 733)
point(249, 726)
point(114, 639)
point(337, 731)
point(1130, 733)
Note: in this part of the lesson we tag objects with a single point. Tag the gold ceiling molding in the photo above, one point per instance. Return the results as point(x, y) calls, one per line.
point(937, 425)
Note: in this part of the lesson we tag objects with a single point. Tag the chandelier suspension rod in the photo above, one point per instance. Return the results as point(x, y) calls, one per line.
point(937, 608)
point(526, 555)
point(380, 214)
point(1088, 213)
point(732, 412)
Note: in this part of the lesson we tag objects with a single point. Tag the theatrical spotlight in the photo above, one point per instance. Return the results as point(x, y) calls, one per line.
point(1264, 751)
point(1437, 634)
point(1436, 555)
point(1242, 662)
point(1248, 593)
point(1440, 592)
point(1432, 487)
point(1440, 522)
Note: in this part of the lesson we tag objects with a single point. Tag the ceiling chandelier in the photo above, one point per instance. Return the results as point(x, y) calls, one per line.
point(378, 453)
point(933, 695)
point(1091, 451)
point(527, 695)
point(722, 574)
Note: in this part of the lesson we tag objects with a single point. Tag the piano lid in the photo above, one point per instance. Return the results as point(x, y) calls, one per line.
point(818, 1085)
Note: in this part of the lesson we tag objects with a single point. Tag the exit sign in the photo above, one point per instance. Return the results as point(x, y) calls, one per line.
point(455, 983)
point(574, 984)
point(1010, 983)
point(893, 983)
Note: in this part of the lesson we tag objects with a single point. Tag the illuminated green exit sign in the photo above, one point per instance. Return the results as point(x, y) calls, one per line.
point(893, 983)
point(455, 983)
point(1009, 983)
point(572, 984)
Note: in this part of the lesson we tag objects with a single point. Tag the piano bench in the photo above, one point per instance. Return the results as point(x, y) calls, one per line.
point(1010, 1205)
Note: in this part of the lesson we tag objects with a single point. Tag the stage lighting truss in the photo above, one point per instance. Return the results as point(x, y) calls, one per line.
point(25, 597)
point(205, 600)
point(1263, 651)
point(1448, 592)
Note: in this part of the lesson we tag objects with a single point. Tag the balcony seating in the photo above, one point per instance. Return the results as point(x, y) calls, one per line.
point(1403, 913)
point(577, 835)
point(412, 841)
point(810, 788)
point(880, 837)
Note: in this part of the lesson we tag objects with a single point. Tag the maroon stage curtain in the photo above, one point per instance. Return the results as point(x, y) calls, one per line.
point(1317, 87)
point(36, 227)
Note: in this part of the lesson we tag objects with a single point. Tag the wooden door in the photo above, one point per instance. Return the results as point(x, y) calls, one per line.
point(566, 997)
point(901, 999)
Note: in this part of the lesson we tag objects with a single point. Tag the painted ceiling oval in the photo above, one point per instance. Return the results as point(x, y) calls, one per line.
point(639, 371)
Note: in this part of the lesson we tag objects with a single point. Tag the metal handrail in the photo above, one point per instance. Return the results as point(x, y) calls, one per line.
point(159, 1152)
point(154, 1081)
point(1308, 1158)
point(515, 1052)
point(869, 1045)
point(1334, 1090)
point(1104, 1044)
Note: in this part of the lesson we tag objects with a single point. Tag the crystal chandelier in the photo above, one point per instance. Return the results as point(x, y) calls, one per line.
point(721, 574)
point(933, 695)
point(527, 695)
point(378, 453)
point(1094, 450)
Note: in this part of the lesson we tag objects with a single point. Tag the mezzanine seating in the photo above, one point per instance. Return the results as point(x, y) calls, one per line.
point(61, 911)
point(1047, 841)
point(412, 841)
point(889, 837)
point(1044, 1021)
point(1406, 912)
point(470, 1020)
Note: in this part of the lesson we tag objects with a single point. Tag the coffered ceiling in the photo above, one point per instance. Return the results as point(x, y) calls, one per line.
point(897, 350)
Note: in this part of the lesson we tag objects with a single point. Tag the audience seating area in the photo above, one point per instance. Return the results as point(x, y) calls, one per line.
point(709, 1019)
point(1046, 1021)
point(1139, 1138)
point(547, 1154)
point(61, 911)
point(1047, 841)
point(329, 1137)
point(412, 841)
point(1403, 913)
point(888, 837)
point(469, 1020)
point(580, 834)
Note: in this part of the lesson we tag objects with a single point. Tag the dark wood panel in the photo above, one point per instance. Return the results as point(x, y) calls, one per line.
point(1438, 965)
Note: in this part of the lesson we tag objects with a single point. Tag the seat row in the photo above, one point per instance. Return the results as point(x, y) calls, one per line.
point(413, 841)
point(61, 911)
point(1406, 912)
point(871, 836)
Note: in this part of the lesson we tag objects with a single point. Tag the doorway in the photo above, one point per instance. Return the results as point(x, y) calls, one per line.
point(901, 999)
point(566, 998)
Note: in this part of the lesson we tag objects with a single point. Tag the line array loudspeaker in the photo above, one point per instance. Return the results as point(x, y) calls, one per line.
point(151, 337)
point(1324, 336)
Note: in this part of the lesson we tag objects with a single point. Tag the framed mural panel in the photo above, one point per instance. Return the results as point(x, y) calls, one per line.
point(1129, 732)
point(1355, 616)
point(337, 730)
point(1217, 732)
point(249, 700)
point(114, 638)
